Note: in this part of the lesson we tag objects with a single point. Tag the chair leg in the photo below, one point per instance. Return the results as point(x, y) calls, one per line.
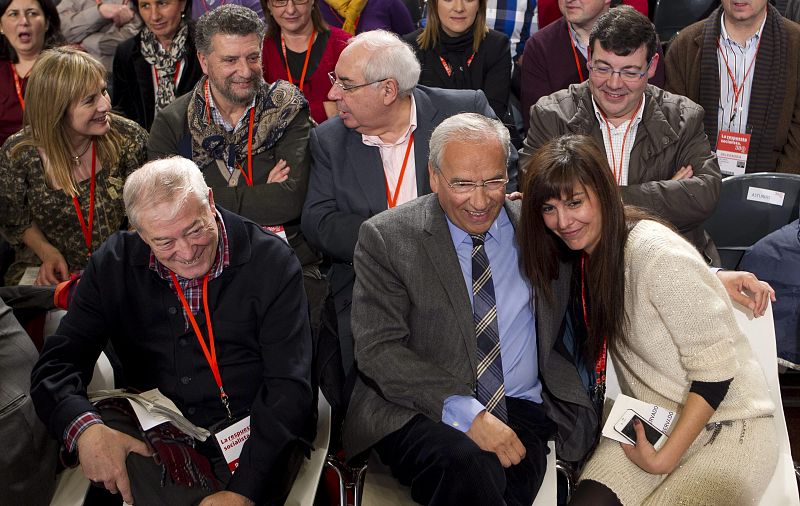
point(351, 479)
point(568, 473)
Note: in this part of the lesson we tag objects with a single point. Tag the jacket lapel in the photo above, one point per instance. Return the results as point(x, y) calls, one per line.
point(364, 164)
point(428, 117)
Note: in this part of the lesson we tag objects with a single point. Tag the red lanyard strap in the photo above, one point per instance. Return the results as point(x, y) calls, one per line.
point(737, 88)
point(174, 76)
point(449, 69)
point(575, 54)
point(618, 173)
point(305, 63)
point(18, 85)
point(209, 351)
point(392, 201)
point(600, 365)
point(248, 176)
point(87, 230)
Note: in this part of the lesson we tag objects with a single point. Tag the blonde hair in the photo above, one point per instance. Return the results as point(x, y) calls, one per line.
point(60, 78)
point(429, 36)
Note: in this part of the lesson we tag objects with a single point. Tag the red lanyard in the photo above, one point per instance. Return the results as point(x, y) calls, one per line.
point(600, 365)
point(737, 89)
point(87, 231)
point(449, 69)
point(18, 85)
point(248, 176)
point(618, 174)
point(305, 63)
point(210, 354)
point(393, 201)
point(575, 54)
point(174, 76)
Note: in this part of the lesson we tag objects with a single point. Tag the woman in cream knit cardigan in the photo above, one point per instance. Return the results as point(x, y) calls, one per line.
point(646, 294)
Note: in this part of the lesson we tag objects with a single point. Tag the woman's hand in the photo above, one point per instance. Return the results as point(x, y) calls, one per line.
point(53, 270)
point(645, 456)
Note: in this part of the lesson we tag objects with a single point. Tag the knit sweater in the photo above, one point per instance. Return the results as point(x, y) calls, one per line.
point(681, 328)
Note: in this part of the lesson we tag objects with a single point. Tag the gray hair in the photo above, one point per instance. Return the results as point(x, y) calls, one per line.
point(468, 127)
point(229, 19)
point(390, 57)
point(169, 180)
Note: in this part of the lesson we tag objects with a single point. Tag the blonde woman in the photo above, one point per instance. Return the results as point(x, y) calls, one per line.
point(61, 176)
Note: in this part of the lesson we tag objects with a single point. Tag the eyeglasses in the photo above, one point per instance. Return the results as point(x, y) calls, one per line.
point(629, 75)
point(349, 87)
point(468, 186)
point(284, 3)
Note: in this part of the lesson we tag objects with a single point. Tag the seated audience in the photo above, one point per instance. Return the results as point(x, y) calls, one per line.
point(654, 140)
point(29, 457)
point(98, 27)
point(156, 65)
point(740, 64)
point(187, 262)
point(359, 16)
point(776, 259)
point(556, 56)
point(374, 155)
point(301, 48)
point(457, 51)
point(644, 296)
point(200, 7)
point(249, 138)
point(27, 27)
point(460, 386)
point(61, 176)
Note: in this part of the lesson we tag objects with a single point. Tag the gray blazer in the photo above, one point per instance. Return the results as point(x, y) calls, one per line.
point(415, 337)
point(346, 186)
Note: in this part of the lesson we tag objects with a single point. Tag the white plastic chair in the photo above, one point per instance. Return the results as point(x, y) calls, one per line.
point(760, 332)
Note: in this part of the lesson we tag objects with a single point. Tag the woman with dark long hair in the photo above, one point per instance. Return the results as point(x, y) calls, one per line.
point(644, 296)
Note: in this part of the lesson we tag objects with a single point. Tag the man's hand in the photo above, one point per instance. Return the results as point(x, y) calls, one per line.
point(226, 498)
point(102, 452)
point(492, 435)
point(644, 455)
point(514, 196)
point(120, 15)
point(683, 173)
point(53, 270)
point(279, 173)
point(744, 288)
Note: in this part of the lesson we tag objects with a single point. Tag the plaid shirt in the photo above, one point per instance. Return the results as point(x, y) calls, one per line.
point(192, 290)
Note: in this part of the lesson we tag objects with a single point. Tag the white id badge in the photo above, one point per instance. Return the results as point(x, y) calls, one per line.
point(231, 439)
point(732, 150)
point(277, 230)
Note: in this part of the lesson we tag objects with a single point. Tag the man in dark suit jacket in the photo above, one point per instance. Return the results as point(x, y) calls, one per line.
point(420, 399)
point(358, 156)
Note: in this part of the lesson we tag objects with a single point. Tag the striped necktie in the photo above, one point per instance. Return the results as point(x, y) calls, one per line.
point(490, 391)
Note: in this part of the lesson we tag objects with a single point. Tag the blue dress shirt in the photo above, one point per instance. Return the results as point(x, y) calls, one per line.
point(515, 319)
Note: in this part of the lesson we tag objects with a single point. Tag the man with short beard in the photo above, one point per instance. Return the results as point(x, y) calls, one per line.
point(250, 138)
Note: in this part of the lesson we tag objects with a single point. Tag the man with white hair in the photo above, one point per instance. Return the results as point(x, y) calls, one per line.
point(374, 155)
point(210, 309)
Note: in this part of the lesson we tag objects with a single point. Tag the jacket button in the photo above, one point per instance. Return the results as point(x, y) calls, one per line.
point(665, 140)
point(191, 411)
point(185, 380)
point(172, 310)
point(182, 341)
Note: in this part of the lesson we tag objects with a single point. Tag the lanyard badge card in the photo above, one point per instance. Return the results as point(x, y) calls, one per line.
point(732, 150)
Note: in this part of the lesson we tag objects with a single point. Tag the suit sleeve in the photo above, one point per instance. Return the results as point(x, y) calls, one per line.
point(164, 136)
point(676, 74)
point(381, 330)
point(544, 125)
point(330, 230)
point(689, 202)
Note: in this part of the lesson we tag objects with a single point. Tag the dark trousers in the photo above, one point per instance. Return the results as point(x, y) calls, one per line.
point(443, 466)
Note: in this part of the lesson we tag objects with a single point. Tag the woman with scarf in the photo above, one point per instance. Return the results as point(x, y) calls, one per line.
point(61, 176)
point(156, 65)
point(27, 27)
point(301, 48)
point(358, 16)
point(458, 51)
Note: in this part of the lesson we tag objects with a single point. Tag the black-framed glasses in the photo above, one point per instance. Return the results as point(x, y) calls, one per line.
point(284, 3)
point(629, 75)
point(349, 87)
point(468, 186)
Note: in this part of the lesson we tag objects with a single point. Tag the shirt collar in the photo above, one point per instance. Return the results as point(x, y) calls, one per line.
point(494, 233)
point(584, 50)
point(222, 260)
point(724, 37)
point(374, 140)
point(636, 119)
point(220, 120)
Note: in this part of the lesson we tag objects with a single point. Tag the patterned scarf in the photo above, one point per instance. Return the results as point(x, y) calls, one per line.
point(165, 61)
point(276, 105)
point(350, 11)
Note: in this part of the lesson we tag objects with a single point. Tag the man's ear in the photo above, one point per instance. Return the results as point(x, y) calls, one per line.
point(389, 91)
point(653, 66)
point(203, 62)
point(211, 198)
point(433, 180)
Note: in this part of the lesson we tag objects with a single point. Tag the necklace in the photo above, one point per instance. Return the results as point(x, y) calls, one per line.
point(76, 159)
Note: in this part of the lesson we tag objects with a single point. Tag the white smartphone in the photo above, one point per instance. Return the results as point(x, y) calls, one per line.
point(625, 427)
